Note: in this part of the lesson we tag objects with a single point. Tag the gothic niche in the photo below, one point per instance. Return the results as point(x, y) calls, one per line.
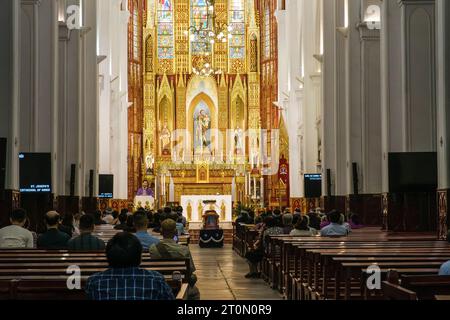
point(253, 53)
point(239, 126)
point(149, 54)
point(165, 127)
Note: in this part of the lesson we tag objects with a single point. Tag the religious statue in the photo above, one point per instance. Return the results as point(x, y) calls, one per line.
point(200, 208)
point(223, 210)
point(189, 211)
point(165, 137)
point(238, 141)
point(202, 126)
point(149, 162)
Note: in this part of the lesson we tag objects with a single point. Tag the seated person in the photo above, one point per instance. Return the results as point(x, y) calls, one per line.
point(108, 216)
point(157, 220)
point(355, 222)
point(86, 241)
point(180, 214)
point(175, 217)
point(314, 220)
point(335, 228)
point(255, 255)
point(287, 223)
point(272, 227)
point(53, 238)
point(302, 228)
point(124, 279)
point(140, 223)
point(169, 249)
point(122, 221)
point(15, 235)
point(67, 225)
point(445, 269)
point(324, 222)
point(98, 218)
point(130, 224)
point(243, 217)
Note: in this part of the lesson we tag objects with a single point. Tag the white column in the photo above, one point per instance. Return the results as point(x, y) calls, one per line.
point(89, 97)
point(392, 124)
point(9, 88)
point(443, 92)
point(112, 33)
point(329, 93)
point(371, 160)
point(419, 78)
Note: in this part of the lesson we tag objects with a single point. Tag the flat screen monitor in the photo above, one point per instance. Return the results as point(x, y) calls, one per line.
point(412, 172)
point(35, 172)
point(106, 186)
point(313, 185)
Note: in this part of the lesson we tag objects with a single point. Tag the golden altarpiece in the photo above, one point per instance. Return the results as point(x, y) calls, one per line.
point(201, 130)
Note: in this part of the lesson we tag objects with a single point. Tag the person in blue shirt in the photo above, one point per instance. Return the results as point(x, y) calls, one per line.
point(141, 225)
point(336, 228)
point(124, 279)
point(445, 269)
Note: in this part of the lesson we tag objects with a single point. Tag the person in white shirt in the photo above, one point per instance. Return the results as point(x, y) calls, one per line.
point(15, 235)
point(108, 218)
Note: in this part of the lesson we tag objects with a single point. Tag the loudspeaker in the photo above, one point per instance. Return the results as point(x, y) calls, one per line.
point(329, 182)
point(91, 183)
point(2, 166)
point(72, 179)
point(355, 178)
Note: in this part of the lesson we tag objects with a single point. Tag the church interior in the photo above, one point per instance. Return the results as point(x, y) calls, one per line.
point(300, 146)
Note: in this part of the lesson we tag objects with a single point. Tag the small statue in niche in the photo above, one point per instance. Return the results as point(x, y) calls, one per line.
point(165, 137)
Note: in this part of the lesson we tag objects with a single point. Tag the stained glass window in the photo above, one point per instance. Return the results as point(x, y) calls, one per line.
point(237, 24)
point(267, 33)
point(136, 38)
point(165, 29)
point(199, 20)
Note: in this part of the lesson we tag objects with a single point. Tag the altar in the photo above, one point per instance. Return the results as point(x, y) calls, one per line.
point(194, 208)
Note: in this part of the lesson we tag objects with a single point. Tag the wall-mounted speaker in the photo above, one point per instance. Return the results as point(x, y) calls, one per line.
point(329, 182)
point(3, 142)
point(72, 179)
point(91, 183)
point(355, 178)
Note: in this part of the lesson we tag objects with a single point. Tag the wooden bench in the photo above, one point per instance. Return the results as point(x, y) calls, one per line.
point(42, 274)
point(56, 289)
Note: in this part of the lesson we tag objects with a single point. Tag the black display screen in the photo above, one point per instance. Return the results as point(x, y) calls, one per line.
point(106, 186)
point(35, 172)
point(313, 185)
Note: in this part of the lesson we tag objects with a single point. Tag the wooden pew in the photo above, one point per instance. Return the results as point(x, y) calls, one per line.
point(56, 289)
point(26, 273)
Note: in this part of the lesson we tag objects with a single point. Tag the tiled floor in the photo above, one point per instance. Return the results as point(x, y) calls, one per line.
point(221, 273)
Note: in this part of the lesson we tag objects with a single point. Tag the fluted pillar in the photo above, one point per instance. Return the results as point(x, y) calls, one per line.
point(443, 114)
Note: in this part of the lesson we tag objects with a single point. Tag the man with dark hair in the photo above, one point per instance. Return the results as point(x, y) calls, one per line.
point(86, 241)
point(169, 249)
point(335, 228)
point(141, 225)
point(53, 238)
point(15, 235)
point(125, 280)
point(123, 216)
point(180, 214)
point(98, 218)
point(314, 220)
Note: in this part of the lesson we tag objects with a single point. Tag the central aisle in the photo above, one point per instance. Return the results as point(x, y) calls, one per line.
point(221, 274)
